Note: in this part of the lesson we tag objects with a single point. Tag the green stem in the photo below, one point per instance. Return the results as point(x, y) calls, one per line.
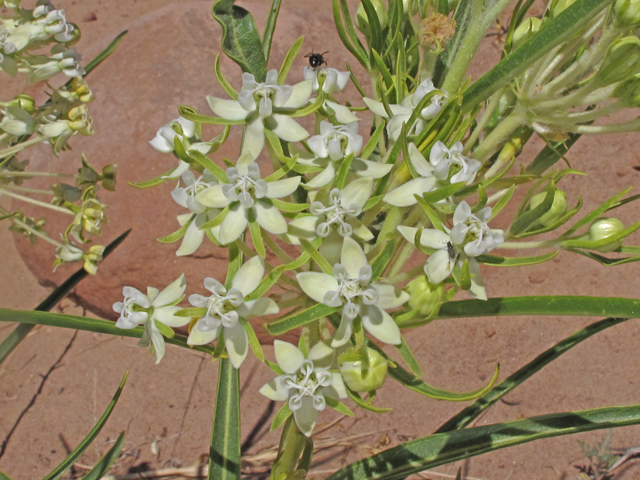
point(21, 146)
point(8, 173)
point(29, 190)
point(36, 202)
point(494, 101)
point(492, 142)
point(31, 230)
point(525, 245)
point(292, 442)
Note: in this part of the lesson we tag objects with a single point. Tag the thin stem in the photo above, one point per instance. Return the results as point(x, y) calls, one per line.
point(8, 173)
point(29, 190)
point(21, 146)
point(526, 245)
point(36, 202)
point(494, 101)
point(499, 135)
point(31, 230)
point(292, 442)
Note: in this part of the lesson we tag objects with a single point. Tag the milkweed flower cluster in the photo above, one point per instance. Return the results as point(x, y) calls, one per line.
point(24, 39)
point(355, 233)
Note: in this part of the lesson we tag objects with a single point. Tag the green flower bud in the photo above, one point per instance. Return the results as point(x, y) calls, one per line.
point(622, 61)
point(629, 91)
point(558, 208)
point(628, 12)
point(25, 102)
point(604, 228)
point(363, 371)
point(527, 28)
point(414, 7)
point(558, 6)
point(362, 21)
point(425, 296)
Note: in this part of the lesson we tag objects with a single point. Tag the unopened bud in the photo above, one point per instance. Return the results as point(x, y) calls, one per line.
point(69, 253)
point(363, 371)
point(558, 6)
point(628, 12)
point(527, 28)
point(622, 61)
point(424, 295)
point(604, 228)
point(556, 212)
point(362, 20)
point(25, 102)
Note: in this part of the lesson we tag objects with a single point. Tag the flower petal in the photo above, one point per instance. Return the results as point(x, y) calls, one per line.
point(342, 113)
point(343, 333)
point(191, 241)
point(302, 227)
point(288, 356)
point(198, 337)
point(213, 197)
point(424, 168)
point(270, 218)
point(380, 324)
point(322, 355)
point(300, 93)
point(260, 307)
point(233, 225)
point(403, 196)
point(156, 339)
point(227, 109)
point(253, 141)
point(337, 389)
point(433, 238)
point(367, 168)
point(306, 416)
point(352, 257)
point(389, 296)
point(317, 284)
point(274, 390)
point(477, 283)
point(438, 266)
point(237, 343)
point(282, 188)
point(323, 178)
point(166, 315)
point(358, 192)
point(173, 292)
point(249, 275)
point(287, 128)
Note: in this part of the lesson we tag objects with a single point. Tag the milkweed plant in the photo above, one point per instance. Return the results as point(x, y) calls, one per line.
point(355, 231)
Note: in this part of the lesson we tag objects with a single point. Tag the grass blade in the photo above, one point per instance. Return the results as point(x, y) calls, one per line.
point(105, 462)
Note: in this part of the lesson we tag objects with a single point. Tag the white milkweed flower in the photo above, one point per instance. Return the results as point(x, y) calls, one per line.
point(247, 192)
point(402, 112)
point(306, 382)
point(332, 80)
point(403, 196)
point(443, 158)
point(67, 62)
point(18, 122)
point(334, 144)
point(6, 47)
point(439, 264)
point(256, 103)
point(166, 135)
point(350, 287)
point(150, 310)
point(473, 232)
point(186, 197)
point(225, 308)
point(336, 213)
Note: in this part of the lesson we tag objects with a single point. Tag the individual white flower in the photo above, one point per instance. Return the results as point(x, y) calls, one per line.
point(403, 196)
point(18, 122)
point(255, 104)
point(334, 144)
point(69, 253)
point(473, 232)
point(226, 307)
point(306, 382)
point(59, 130)
point(67, 62)
point(247, 192)
point(332, 80)
point(337, 213)
point(401, 113)
point(350, 287)
point(150, 309)
point(443, 158)
point(186, 197)
point(440, 264)
point(164, 141)
point(6, 47)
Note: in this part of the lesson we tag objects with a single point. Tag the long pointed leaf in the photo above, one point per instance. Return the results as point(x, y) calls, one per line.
point(467, 415)
point(102, 56)
point(224, 453)
point(442, 448)
point(68, 462)
point(22, 330)
point(105, 462)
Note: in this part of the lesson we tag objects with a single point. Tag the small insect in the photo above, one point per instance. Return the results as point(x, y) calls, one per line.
point(451, 250)
point(316, 59)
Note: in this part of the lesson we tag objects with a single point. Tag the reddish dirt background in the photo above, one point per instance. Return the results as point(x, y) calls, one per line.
point(58, 382)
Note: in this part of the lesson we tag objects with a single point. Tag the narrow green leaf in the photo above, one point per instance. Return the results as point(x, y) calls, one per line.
point(374, 26)
point(254, 343)
point(409, 358)
point(224, 452)
point(154, 181)
point(236, 259)
point(515, 261)
point(21, 331)
point(240, 39)
point(104, 54)
point(442, 193)
point(274, 367)
point(281, 416)
point(191, 312)
point(4, 476)
point(552, 33)
point(256, 236)
point(86, 324)
point(190, 114)
point(165, 330)
point(269, 28)
point(287, 206)
point(215, 221)
point(223, 81)
point(207, 163)
point(101, 468)
point(537, 230)
point(293, 321)
point(341, 177)
point(529, 217)
point(68, 462)
point(288, 60)
point(355, 396)
point(412, 382)
point(470, 413)
point(347, 32)
point(607, 262)
point(593, 244)
point(178, 234)
point(442, 448)
point(339, 407)
point(267, 282)
point(591, 216)
point(500, 204)
point(550, 154)
point(373, 141)
point(380, 263)
point(315, 255)
point(372, 202)
point(463, 18)
point(433, 216)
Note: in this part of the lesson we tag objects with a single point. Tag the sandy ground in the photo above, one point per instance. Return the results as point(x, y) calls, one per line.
point(58, 382)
